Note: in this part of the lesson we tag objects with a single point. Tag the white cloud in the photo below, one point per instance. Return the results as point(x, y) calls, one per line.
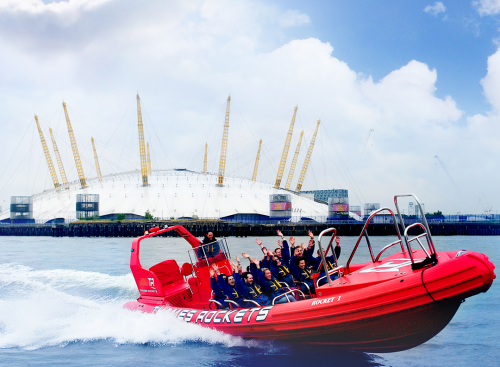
point(293, 18)
point(435, 9)
point(184, 58)
point(487, 7)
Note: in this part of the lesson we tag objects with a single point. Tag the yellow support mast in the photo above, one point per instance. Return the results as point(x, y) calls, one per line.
point(58, 158)
point(78, 162)
point(205, 159)
point(294, 163)
point(149, 162)
point(284, 155)
point(256, 167)
point(52, 170)
point(142, 146)
point(223, 150)
point(97, 167)
point(307, 160)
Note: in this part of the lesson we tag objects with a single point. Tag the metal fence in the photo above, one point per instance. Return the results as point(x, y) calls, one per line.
point(469, 218)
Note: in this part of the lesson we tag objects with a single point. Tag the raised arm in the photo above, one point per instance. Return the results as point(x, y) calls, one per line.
point(337, 247)
point(310, 234)
point(285, 251)
point(258, 241)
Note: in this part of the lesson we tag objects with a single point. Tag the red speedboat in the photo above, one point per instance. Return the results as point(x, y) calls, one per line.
point(391, 303)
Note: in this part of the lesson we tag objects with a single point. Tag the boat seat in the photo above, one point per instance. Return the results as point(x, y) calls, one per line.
point(170, 277)
point(187, 269)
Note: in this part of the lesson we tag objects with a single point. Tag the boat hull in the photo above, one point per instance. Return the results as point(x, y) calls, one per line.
point(392, 333)
point(382, 307)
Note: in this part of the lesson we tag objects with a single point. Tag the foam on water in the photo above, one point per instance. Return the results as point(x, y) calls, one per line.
point(41, 308)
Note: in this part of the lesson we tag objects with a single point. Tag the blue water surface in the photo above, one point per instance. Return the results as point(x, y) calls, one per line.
point(61, 305)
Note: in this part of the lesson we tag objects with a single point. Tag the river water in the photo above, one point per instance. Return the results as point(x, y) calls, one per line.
point(61, 305)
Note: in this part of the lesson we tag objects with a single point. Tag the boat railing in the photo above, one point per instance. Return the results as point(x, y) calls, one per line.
point(283, 284)
point(337, 270)
point(386, 247)
point(210, 301)
point(201, 256)
point(231, 303)
point(298, 291)
point(324, 254)
point(307, 286)
point(431, 254)
point(364, 234)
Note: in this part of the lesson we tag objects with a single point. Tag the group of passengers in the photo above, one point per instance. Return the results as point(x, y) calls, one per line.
point(276, 277)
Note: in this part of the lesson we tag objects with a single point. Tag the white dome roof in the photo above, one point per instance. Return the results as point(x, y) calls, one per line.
point(171, 193)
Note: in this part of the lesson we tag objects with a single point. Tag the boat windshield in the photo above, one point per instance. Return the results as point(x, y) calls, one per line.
point(210, 253)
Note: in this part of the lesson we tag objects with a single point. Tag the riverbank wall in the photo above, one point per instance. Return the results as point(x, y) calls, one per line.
point(221, 228)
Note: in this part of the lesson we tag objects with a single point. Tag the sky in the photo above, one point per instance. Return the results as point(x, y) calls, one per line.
point(406, 92)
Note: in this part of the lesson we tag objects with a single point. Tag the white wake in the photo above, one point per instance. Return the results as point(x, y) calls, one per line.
point(40, 308)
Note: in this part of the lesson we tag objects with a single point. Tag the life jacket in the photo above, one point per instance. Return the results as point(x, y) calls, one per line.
point(283, 271)
point(274, 284)
point(330, 264)
point(254, 290)
point(234, 293)
point(306, 273)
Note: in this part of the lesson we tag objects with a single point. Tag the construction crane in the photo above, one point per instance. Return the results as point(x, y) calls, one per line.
point(149, 162)
point(76, 155)
point(223, 150)
point(294, 163)
point(97, 167)
point(58, 158)
point(256, 167)
point(52, 170)
point(142, 146)
point(284, 155)
point(307, 160)
point(366, 143)
point(447, 173)
point(205, 159)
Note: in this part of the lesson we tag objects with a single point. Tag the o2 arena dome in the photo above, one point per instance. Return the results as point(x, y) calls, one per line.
point(172, 193)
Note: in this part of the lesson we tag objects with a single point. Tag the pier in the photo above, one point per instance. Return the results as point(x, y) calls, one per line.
point(222, 228)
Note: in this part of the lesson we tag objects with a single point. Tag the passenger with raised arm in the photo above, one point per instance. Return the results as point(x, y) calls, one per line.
point(284, 251)
point(281, 271)
point(255, 291)
point(209, 247)
point(234, 287)
point(218, 293)
point(309, 252)
point(303, 275)
point(330, 262)
point(270, 284)
point(265, 259)
point(300, 252)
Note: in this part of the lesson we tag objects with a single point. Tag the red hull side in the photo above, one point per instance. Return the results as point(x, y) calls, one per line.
point(382, 307)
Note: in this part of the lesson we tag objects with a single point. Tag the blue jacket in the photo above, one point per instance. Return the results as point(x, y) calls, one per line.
point(265, 262)
point(282, 273)
point(302, 275)
point(272, 287)
point(236, 293)
point(209, 250)
point(219, 294)
point(256, 293)
point(330, 261)
point(285, 254)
